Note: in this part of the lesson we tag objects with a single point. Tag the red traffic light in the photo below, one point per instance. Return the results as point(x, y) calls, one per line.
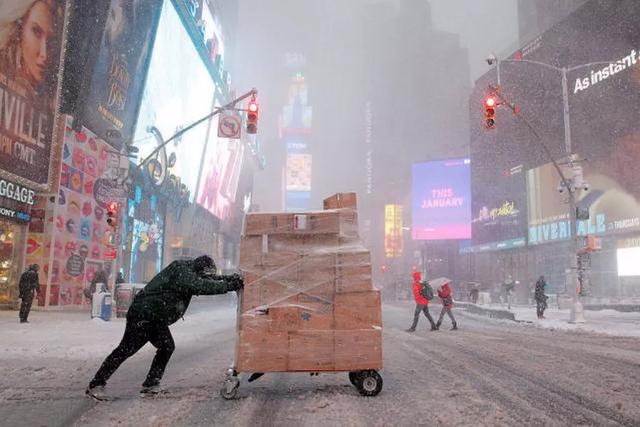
point(490, 104)
point(252, 117)
point(112, 206)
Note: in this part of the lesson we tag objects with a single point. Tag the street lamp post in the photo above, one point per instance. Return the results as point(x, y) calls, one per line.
point(577, 310)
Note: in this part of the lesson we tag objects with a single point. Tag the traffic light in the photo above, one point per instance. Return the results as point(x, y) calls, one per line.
point(490, 104)
point(252, 116)
point(112, 214)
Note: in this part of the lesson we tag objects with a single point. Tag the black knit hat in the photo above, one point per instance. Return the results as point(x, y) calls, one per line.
point(202, 263)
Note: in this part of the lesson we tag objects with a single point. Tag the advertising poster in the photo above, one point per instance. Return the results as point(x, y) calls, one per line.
point(219, 182)
point(30, 49)
point(393, 242)
point(604, 106)
point(298, 172)
point(81, 235)
point(116, 82)
point(178, 91)
point(548, 209)
point(442, 200)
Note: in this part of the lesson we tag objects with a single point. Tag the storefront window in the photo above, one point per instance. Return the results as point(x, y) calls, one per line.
point(11, 254)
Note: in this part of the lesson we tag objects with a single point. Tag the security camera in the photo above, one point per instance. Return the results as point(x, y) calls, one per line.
point(560, 188)
point(492, 58)
point(585, 187)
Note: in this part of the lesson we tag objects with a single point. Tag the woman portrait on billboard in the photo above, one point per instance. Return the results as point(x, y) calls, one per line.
point(29, 43)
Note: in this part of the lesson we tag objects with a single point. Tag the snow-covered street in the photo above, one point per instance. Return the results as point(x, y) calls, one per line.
point(487, 373)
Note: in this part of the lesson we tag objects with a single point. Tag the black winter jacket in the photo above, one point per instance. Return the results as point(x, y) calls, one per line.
point(167, 296)
point(29, 282)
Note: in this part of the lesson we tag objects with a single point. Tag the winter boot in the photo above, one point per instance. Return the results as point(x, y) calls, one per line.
point(96, 392)
point(435, 327)
point(255, 376)
point(455, 327)
point(151, 390)
point(410, 330)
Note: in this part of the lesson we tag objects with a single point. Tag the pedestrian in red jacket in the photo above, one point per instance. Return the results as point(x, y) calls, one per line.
point(446, 296)
point(422, 303)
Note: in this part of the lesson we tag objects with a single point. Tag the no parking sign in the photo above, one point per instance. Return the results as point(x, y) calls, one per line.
point(229, 125)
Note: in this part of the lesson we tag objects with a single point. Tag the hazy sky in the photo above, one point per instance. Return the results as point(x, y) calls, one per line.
point(484, 26)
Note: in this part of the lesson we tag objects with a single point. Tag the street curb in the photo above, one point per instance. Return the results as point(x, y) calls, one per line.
point(488, 312)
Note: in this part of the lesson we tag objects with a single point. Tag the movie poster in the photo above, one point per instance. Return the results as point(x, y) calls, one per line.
point(30, 47)
point(117, 79)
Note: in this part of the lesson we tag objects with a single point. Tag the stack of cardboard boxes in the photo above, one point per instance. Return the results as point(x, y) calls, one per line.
point(308, 303)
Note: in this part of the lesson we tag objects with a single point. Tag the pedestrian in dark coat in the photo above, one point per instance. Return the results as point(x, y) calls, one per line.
point(446, 297)
point(540, 297)
point(422, 303)
point(161, 303)
point(29, 285)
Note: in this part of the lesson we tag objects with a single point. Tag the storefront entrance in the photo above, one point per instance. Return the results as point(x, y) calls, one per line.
point(12, 241)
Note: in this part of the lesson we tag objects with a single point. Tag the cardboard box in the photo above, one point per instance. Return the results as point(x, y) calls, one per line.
point(311, 351)
point(353, 278)
point(341, 200)
point(284, 318)
point(355, 256)
point(254, 320)
point(257, 223)
point(358, 350)
point(354, 284)
point(262, 351)
point(358, 310)
point(250, 251)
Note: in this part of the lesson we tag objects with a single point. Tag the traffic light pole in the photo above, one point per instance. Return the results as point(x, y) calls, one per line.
point(228, 106)
point(577, 310)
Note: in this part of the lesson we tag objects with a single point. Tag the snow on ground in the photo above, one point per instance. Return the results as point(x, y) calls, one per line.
point(74, 335)
point(610, 322)
point(489, 373)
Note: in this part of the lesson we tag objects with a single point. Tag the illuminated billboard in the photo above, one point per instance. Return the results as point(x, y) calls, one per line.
point(220, 175)
point(178, 91)
point(298, 172)
point(393, 243)
point(441, 205)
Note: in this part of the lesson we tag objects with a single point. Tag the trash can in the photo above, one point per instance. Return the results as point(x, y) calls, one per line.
point(105, 306)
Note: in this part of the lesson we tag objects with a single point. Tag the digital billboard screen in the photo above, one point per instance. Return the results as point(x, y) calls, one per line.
point(441, 203)
point(218, 187)
point(178, 91)
point(604, 106)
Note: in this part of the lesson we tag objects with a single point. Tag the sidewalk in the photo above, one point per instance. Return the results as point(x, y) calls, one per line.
point(74, 335)
point(609, 322)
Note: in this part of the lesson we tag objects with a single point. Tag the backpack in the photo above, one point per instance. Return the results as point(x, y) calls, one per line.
point(426, 290)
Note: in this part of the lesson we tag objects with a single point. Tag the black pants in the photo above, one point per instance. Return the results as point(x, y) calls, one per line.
point(449, 312)
point(136, 334)
point(416, 315)
point(25, 307)
point(541, 306)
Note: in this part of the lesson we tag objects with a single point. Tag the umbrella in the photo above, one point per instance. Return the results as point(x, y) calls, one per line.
point(436, 283)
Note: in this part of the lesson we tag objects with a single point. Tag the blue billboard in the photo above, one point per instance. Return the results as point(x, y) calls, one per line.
point(441, 205)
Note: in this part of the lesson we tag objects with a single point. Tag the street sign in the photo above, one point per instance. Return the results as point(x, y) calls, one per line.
point(229, 125)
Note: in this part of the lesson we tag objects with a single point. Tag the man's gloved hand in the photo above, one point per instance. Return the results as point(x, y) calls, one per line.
point(234, 282)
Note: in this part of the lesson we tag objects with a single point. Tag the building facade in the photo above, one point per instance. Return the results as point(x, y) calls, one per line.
point(521, 221)
point(124, 77)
